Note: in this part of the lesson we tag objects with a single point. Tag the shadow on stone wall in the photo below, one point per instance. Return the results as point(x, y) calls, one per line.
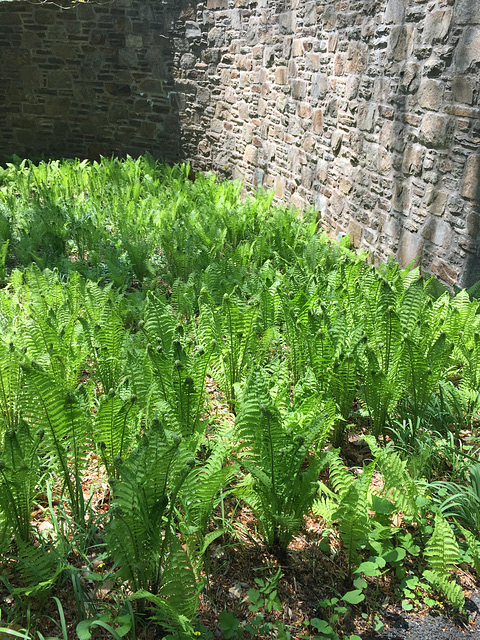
point(436, 184)
point(89, 80)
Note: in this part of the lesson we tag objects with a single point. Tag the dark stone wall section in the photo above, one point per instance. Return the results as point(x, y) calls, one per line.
point(367, 110)
point(87, 79)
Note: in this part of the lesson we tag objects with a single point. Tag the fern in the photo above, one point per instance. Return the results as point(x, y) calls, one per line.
point(19, 476)
point(277, 489)
point(352, 512)
point(443, 554)
point(442, 551)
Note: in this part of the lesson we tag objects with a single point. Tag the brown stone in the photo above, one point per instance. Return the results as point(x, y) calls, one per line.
point(444, 271)
point(250, 154)
point(281, 75)
point(317, 121)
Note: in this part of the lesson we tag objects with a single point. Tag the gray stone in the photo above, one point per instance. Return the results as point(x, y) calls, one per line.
point(366, 116)
point(319, 85)
point(336, 141)
point(467, 12)
point(395, 11)
point(192, 29)
point(436, 201)
point(310, 14)
point(287, 22)
point(467, 52)
point(401, 42)
point(430, 94)
point(462, 90)
point(434, 129)
point(59, 80)
point(188, 61)
point(437, 25)
point(410, 248)
point(411, 77)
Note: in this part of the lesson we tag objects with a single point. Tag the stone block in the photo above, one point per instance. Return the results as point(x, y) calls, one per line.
point(395, 12)
point(410, 80)
point(31, 78)
point(437, 25)
point(434, 130)
point(217, 4)
point(59, 79)
point(123, 25)
point(401, 196)
point(317, 122)
point(366, 116)
point(287, 22)
point(462, 90)
point(310, 16)
point(250, 154)
point(151, 85)
point(355, 233)
point(332, 42)
point(444, 271)
point(338, 65)
point(401, 42)
point(203, 95)
point(304, 110)
point(133, 41)
point(471, 180)
point(357, 54)
point(467, 52)
point(410, 248)
point(430, 94)
point(192, 30)
point(216, 37)
point(436, 201)
point(319, 85)
point(473, 224)
point(297, 47)
point(467, 12)
point(336, 141)
point(299, 88)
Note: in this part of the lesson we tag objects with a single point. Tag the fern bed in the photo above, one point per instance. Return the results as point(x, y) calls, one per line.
point(217, 422)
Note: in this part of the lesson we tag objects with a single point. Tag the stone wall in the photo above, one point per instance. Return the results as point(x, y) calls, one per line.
point(87, 79)
point(367, 110)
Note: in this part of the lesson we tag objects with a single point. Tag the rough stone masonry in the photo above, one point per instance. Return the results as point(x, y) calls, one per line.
point(367, 110)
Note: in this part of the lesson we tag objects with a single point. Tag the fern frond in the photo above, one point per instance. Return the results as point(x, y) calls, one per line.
point(442, 551)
